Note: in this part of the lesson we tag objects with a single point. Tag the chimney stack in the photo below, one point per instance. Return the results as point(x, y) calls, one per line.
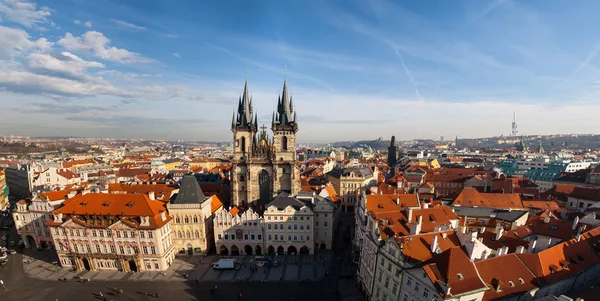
point(151, 195)
point(563, 213)
point(532, 246)
point(425, 205)
point(520, 250)
point(547, 219)
point(416, 227)
point(575, 222)
point(434, 244)
point(499, 252)
point(398, 200)
point(499, 232)
point(409, 212)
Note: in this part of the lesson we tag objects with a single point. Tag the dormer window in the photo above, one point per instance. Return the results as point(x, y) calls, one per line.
point(512, 284)
point(460, 276)
point(521, 280)
point(553, 268)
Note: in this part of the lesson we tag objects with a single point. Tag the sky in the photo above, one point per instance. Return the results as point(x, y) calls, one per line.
point(357, 69)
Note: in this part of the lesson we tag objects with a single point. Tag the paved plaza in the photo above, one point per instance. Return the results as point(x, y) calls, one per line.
point(291, 268)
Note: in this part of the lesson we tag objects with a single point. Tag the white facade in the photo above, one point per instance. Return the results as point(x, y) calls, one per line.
point(239, 234)
point(289, 230)
point(365, 248)
point(55, 177)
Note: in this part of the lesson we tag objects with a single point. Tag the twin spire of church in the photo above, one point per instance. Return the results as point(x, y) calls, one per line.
point(284, 118)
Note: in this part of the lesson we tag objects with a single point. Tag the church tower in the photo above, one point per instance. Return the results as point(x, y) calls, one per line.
point(285, 127)
point(392, 153)
point(263, 166)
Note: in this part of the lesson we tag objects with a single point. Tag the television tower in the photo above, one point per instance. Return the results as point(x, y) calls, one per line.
point(514, 126)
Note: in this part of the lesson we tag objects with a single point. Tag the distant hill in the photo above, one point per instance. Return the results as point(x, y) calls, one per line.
point(378, 144)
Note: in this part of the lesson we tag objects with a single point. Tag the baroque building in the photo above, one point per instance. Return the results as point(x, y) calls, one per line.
point(262, 165)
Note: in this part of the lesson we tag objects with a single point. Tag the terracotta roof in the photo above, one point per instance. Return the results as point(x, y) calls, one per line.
point(557, 228)
point(162, 192)
point(55, 195)
point(234, 211)
point(542, 205)
point(70, 164)
point(564, 259)
point(132, 172)
point(129, 207)
point(418, 247)
point(472, 197)
point(508, 271)
point(454, 269)
point(380, 203)
point(506, 240)
point(67, 174)
point(331, 192)
point(215, 203)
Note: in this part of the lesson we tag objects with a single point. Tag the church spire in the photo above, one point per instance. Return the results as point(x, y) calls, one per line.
point(245, 109)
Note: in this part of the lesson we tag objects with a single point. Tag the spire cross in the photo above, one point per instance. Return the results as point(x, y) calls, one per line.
point(263, 128)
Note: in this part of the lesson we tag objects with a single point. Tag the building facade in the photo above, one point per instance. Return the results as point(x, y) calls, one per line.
point(31, 217)
point(192, 214)
point(349, 182)
point(3, 190)
point(124, 232)
point(289, 226)
point(239, 233)
point(19, 178)
point(263, 166)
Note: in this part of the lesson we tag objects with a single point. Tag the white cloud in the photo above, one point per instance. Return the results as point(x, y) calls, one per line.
point(63, 64)
point(23, 12)
point(99, 45)
point(19, 42)
point(88, 24)
point(77, 22)
point(127, 25)
point(176, 54)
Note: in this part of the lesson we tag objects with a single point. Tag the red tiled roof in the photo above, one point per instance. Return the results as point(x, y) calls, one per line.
point(505, 270)
point(472, 197)
point(564, 259)
point(128, 206)
point(161, 191)
point(67, 174)
point(215, 203)
point(70, 164)
point(454, 268)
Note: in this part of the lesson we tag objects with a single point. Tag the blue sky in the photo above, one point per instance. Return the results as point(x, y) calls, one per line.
point(357, 69)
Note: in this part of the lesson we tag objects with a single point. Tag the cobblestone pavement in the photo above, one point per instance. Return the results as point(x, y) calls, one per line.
point(291, 268)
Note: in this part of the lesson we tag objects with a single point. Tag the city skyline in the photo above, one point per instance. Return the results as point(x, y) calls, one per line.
point(158, 70)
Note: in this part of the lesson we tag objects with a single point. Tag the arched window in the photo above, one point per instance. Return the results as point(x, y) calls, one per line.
point(242, 178)
point(284, 143)
point(197, 234)
point(177, 220)
point(187, 234)
point(178, 234)
point(186, 220)
point(195, 219)
point(243, 145)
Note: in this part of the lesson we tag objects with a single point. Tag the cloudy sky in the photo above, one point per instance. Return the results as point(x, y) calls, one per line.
point(357, 69)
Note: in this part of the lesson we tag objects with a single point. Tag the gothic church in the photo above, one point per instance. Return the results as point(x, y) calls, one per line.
point(263, 166)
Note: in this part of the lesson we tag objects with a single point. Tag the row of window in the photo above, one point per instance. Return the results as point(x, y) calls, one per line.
point(289, 218)
point(227, 236)
point(127, 250)
point(188, 235)
point(102, 233)
point(295, 226)
point(186, 219)
point(281, 237)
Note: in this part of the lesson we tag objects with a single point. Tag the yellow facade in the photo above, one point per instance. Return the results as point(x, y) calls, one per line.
point(3, 190)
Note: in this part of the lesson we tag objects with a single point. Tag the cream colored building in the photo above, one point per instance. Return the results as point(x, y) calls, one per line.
point(349, 182)
point(289, 226)
point(325, 219)
point(192, 214)
point(31, 216)
point(124, 232)
point(239, 233)
point(3, 190)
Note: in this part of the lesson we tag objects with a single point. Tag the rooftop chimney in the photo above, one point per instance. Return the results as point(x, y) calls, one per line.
point(499, 251)
point(425, 205)
point(532, 246)
point(563, 213)
point(409, 212)
point(416, 227)
point(575, 222)
point(482, 230)
point(151, 195)
point(398, 200)
point(547, 219)
point(499, 233)
point(520, 250)
point(434, 244)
